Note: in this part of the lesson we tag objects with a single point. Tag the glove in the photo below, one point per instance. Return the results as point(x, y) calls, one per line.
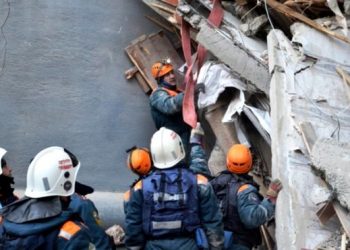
point(197, 134)
point(274, 188)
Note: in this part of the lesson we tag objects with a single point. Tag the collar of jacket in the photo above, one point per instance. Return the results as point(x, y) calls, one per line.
point(165, 84)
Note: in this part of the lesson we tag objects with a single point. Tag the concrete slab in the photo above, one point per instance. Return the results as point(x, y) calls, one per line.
point(302, 90)
point(332, 158)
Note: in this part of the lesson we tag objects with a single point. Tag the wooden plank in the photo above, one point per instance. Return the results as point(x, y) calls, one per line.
point(143, 84)
point(269, 243)
point(130, 73)
point(146, 50)
point(160, 23)
point(346, 79)
point(325, 212)
point(308, 134)
point(292, 13)
point(343, 74)
point(171, 2)
point(164, 7)
point(343, 216)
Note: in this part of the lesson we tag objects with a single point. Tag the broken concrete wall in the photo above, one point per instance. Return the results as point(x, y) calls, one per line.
point(303, 89)
point(244, 55)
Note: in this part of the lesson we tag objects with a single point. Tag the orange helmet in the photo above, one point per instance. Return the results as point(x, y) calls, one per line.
point(160, 69)
point(239, 159)
point(139, 160)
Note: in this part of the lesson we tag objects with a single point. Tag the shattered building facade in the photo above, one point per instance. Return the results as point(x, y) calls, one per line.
point(276, 76)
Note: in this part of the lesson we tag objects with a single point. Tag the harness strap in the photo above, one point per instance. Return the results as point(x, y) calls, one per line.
point(179, 180)
point(215, 18)
point(162, 187)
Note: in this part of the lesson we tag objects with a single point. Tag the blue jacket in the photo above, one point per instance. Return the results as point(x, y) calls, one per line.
point(41, 224)
point(166, 111)
point(89, 214)
point(253, 211)
point(6, 190)
point(209, 215)
point(198, 160)
point(244, 209)
point(198, 165)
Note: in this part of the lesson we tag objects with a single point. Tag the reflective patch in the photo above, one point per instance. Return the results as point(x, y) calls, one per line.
point(68, 230)
point(46, 184)
point(253, 197)
point(166, 224)
point(138, 185)
point(127, 196)
point(201, 179)
point(169, 197)
point(242, 188)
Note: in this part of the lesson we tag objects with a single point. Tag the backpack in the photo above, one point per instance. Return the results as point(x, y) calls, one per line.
point(170, 203)
point(225, 187)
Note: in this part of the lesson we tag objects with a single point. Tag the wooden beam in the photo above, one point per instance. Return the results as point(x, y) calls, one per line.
point(325, 212)
point(292, 3)
point(143, 84)
point(294, 14)
point(346, 79)
point(343, 216)
point(308, 134)
point(160, 23)
point(267, 238)
point(164, 8)
point(171, 2)
point(343, 74)
point(130, 73)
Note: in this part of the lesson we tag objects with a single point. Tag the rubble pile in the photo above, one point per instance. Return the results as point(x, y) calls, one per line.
point(275, 77)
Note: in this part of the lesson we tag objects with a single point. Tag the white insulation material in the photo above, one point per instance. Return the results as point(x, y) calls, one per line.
point(304, 90)
point(216, 77)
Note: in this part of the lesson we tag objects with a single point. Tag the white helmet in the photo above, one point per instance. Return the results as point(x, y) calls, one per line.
point(52, 172)
point(2, 153)
point(166, 148)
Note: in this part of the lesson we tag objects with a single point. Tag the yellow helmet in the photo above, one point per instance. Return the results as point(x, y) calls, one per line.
point(239, 159)
point(139, 160)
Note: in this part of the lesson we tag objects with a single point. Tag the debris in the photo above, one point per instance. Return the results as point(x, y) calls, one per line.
point(291, 13)
point(288, 78)
point(146, 50)
point(117, 233)
point(130, 73)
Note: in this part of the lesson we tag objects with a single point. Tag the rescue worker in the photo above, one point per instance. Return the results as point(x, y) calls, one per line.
point(243, 207)
point(6, 182)
point(42, 220)
point(166, 101)
point(88, 212)
point(168, 206)
point(139, 162)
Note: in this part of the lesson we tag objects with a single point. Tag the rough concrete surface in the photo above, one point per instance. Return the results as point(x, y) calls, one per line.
point(332, 158)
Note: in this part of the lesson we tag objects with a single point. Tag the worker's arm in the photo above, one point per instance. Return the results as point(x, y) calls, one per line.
point(198, 160)
point(252, 211)
point(89, 214)
point(210, 214)
point(165, 103)
point(134, 238)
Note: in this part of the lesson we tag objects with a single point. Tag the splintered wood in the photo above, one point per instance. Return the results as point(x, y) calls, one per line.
point(144, 52)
